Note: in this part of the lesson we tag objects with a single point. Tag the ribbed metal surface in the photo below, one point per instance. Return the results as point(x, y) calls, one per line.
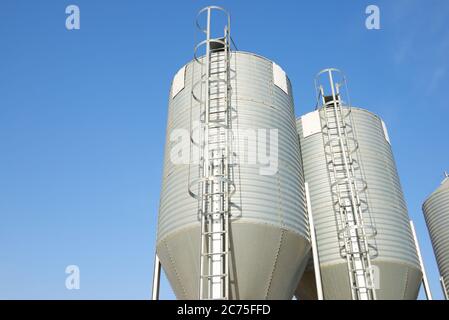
point(270, 206)
point(393, 244)
point(436, 213)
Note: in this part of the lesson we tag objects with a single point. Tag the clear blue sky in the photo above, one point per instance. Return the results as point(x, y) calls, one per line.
point(83, 114)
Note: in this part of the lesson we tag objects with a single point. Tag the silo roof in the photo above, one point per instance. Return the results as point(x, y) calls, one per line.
point(444, 186)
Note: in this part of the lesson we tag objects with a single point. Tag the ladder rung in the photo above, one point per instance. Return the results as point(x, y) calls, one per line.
point(222, 275)
point(359, 270)
point(219, 120)
point(351, 252)
point(217, 105)
point(211, 126)
point(216, 212)
point(216, 158)
point(218, 175)
point(339, 164)
point(216, 112)
point(213, 232)
point(217, 89)
point(212, 194)
point(217, 98)
point(215, 254)
point(218, 72)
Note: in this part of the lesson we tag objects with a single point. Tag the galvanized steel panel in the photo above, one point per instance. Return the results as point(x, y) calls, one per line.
point(280, 78)
point(178, 82)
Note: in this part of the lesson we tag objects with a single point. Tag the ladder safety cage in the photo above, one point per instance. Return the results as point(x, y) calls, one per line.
point(348, 184)
point(214, 186)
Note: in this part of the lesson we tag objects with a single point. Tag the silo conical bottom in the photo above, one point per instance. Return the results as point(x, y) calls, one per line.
point(266, 262)
point(397, 281)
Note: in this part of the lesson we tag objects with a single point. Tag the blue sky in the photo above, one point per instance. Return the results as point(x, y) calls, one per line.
point(83, 114)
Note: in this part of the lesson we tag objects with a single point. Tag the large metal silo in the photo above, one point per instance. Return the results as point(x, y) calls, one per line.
point(436, 213)
point(268, 233)
point(365, 244)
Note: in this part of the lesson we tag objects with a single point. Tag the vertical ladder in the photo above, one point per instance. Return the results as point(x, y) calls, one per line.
point(215, 183)
point(347, 185)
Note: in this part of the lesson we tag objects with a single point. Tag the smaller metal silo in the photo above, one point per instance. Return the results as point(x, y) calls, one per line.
point(366, 249)
point(436, 213)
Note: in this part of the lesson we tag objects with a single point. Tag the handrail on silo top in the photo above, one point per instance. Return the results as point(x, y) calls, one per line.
point(205, 9)
point(340, 82)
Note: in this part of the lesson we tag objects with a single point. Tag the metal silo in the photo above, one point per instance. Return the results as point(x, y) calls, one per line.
point(232, 221)
point(365, 244)
point(436, 213)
